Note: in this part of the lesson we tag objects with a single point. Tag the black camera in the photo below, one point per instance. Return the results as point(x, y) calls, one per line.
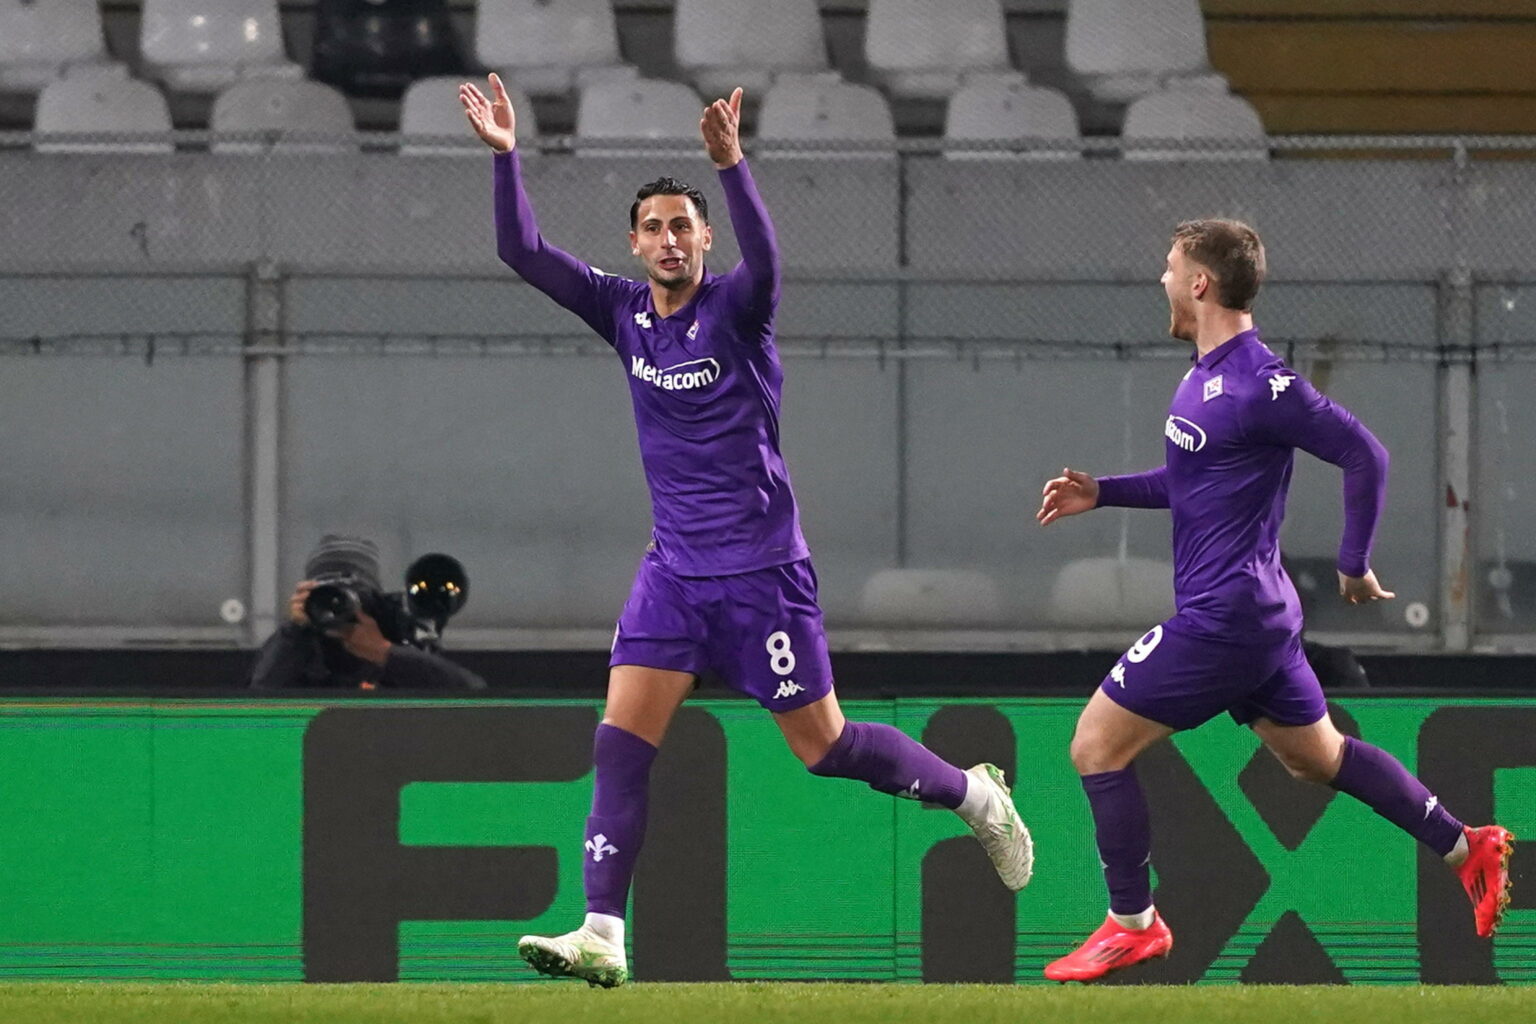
point(436, 586)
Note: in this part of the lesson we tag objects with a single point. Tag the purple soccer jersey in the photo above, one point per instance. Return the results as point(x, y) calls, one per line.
point(705, 383)
point(1231, 432)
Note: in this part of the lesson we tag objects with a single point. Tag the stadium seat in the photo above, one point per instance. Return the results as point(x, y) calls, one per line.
point(431, 107)
point(1042, 120)
point(546, 44)
point(43, 41)
point(104, 106)
point(919, 49)
point(934, 598)
point(640, 108)
point(1126, 48)
point(378, 47)
point(204, 46)
point(809, 109)
point(721, 44)
point(1092, 593)
point(1215, 126)
point(283, 109)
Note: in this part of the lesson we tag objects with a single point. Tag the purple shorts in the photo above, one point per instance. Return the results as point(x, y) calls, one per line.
point(1182, 681)
point(761, 631)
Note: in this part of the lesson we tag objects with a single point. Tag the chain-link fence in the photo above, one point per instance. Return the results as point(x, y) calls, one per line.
point(211, 358)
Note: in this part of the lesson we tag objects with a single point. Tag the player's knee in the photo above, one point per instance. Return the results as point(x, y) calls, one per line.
point(1090, 755)
point(1305, 769)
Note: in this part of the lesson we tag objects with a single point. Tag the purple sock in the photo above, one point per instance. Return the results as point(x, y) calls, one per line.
point(892, 762)
point(1123, 828)
point(617, 825)
point(1379, 780)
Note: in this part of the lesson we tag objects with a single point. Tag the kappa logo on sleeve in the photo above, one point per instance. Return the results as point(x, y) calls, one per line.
point(1278, 383)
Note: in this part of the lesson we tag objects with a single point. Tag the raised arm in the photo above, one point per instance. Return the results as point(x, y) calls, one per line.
point(754, 282)
point(556, 273)
point(1295, 413)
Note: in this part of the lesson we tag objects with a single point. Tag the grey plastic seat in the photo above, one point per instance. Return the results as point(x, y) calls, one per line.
point(921, 48)
point(642, 108)
point(721, 44)
point(815, 114)
point(1212, 126)
point(431, 108)
point(40, 42)
point(933, 598)
point(297, 117)
point(204, 46)
point(1040, 124)
point(548, 46)
point(105, 106)
point(1123, 49)
point(1091, 593)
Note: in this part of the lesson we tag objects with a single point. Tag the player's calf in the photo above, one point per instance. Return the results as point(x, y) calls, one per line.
point(890, 761)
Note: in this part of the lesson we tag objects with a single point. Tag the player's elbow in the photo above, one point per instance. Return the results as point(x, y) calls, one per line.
point(512, 254)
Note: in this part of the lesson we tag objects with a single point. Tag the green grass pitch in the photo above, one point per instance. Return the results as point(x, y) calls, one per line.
point(742, 1003)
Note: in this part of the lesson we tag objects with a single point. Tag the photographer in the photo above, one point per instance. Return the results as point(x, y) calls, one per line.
point(365, 638)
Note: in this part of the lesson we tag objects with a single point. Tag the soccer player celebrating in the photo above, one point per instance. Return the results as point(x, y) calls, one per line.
point(1234, 644)
point(726, 582)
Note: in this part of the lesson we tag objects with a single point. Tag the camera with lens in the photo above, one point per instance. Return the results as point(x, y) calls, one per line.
point(436, 587)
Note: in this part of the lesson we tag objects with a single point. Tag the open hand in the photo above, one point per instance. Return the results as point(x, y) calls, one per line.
point(721, 128)
point(1360, 589)
point(1067, 495)
point(492, 119)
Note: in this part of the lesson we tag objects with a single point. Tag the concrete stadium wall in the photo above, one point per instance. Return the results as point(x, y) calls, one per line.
point(123, 474)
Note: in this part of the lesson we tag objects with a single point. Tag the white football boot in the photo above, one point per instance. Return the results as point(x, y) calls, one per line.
point(580, 954)
point(1000, 830)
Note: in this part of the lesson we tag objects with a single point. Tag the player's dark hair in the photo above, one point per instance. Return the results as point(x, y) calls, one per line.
point(667, 187)
point(1232, 252)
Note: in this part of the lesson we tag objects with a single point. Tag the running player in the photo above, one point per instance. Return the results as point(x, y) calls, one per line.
point(1234, 644)
point(726, 582)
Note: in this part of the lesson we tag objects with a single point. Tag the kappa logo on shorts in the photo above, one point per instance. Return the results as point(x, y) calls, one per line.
point(787, 688)
point(1118, 673)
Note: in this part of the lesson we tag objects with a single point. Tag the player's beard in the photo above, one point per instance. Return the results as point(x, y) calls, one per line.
point(1181, 323)
point(679, 278)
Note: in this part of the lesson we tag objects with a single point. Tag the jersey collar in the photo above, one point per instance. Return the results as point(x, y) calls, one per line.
point(687, 308)
point(1227, 347)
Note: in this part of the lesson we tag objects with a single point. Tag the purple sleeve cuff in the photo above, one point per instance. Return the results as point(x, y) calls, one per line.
point(1135, 490)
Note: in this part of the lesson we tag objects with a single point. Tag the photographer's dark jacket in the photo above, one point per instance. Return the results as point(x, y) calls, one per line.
point(298, 657)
